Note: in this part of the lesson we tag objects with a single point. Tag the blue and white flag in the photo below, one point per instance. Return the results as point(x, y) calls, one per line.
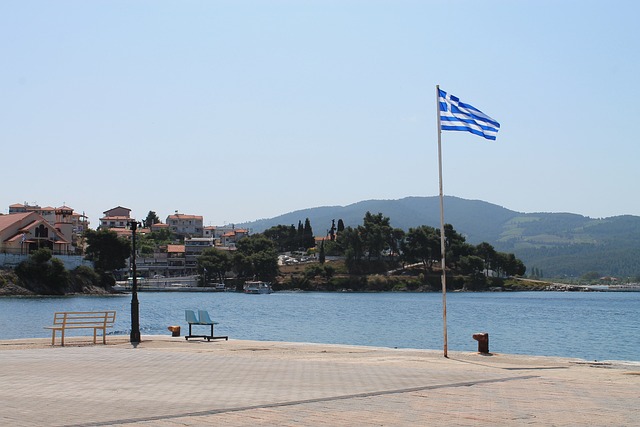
point(456, 115)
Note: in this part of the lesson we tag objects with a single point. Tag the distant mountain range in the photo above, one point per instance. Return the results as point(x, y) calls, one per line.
point(557, 244)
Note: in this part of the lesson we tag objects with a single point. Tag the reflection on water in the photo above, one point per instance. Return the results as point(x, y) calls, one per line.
point(592, 326)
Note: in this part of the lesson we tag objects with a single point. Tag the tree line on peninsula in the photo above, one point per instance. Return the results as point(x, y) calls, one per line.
point(371, 256)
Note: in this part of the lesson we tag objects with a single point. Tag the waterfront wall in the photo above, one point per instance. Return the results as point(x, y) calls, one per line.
point(70, 261)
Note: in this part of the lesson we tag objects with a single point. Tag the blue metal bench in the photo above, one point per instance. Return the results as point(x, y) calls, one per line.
point(203, 319)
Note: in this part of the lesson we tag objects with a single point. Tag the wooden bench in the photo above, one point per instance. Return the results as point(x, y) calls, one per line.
point(82, 320)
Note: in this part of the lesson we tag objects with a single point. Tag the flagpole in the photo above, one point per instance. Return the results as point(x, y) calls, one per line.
point(442, 241)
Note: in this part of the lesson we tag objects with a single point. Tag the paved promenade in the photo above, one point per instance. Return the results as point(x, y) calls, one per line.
point(167, 381)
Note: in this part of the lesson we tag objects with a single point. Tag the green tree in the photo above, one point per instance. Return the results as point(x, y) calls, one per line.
point(488, 254)
point(376, 233)
point(332, 230)
point(352, 247)
point(329, 272)
point(397, 237)
point(321, 255)
point(308, 241)
point(510, 265)
point(44, 274)
point(285, 238)
point(333, 248)
point(340, 225)
point(214, 262)
point(150, 220)
point(41, 256)
point(160, 237)
point(312, 271)
point(58, 276)
point(455, 245)
point(535, 272)
point(421, 244)
point(256, 256)
point(300, 235)
point(373, 240)
point(471, 265)
point(148, 243)
point(107, 251)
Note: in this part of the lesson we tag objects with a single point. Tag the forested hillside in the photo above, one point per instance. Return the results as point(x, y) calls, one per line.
point(557, 244)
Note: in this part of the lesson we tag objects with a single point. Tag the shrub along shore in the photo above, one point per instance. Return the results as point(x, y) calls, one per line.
point(298, 278)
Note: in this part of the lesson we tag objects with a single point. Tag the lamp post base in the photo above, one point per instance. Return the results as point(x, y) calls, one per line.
point(134, 337)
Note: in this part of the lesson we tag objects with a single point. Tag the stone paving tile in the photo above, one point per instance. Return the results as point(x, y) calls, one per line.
point(484, 405)
point(173, 383)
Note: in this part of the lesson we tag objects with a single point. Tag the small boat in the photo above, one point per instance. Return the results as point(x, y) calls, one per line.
point(219, 287)
point(257, 287)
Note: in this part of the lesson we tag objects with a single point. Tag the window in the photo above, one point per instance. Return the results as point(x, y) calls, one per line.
point(42, 231)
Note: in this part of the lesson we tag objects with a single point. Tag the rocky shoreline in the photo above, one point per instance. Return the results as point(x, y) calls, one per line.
point(9, 286)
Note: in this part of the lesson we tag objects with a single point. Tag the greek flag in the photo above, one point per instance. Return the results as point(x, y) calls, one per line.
point(456, 115)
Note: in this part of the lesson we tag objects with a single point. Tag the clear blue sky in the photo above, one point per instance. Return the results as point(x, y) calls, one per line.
point(240, 110)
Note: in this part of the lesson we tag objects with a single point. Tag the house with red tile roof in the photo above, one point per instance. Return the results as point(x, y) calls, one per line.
point(176, 259)
point(231, 237)
point(159, 226)
point(24, 232)
point(71, 224)
point(48, 212)
point(118, 211)
point(117, 217)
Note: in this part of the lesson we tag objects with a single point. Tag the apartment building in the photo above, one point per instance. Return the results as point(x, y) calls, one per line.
point(233, 236)
point(184, 225)
point(193, 248)
point(117, 217)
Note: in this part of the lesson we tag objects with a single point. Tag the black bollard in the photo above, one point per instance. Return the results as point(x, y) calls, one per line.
point(483, 342)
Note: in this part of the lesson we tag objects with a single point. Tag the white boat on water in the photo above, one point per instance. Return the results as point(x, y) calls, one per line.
point(219, 287)
point(257, 287)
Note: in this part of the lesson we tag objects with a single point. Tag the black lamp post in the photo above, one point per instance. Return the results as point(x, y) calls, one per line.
point(134, 338)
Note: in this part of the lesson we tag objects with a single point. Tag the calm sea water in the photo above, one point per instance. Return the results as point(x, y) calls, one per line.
point(591, 326)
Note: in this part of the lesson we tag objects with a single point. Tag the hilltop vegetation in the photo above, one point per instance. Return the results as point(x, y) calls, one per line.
point(378, 257)
point(373, 257)
point(554, 244)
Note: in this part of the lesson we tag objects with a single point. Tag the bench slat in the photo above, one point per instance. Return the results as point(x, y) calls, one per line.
point(58, 328)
